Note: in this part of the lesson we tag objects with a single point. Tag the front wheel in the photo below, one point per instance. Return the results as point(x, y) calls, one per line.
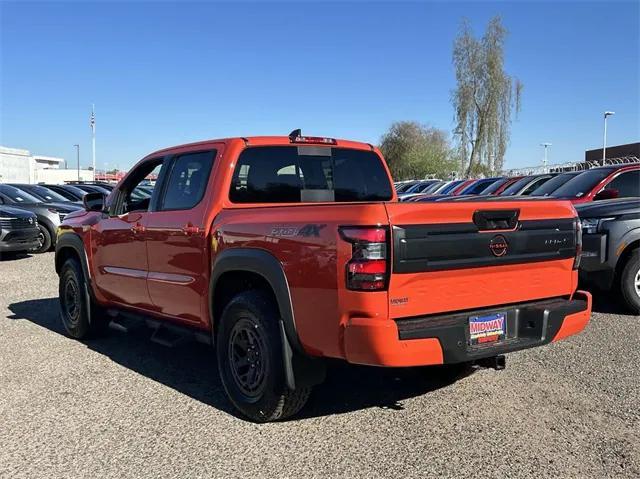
point(80, 317)
point(630, 282)
point(249, 353)
point(44, 238)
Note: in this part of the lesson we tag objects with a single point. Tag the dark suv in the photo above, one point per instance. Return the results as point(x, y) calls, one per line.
point(18, 230)
point(50, 214)
point(611, 247)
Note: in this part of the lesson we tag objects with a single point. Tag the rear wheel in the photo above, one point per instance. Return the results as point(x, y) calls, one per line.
point(630, 282)
point(44, 237)
point(80, 317)
point(249, 353)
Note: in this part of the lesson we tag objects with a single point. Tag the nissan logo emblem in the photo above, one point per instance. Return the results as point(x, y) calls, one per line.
point(498, 245)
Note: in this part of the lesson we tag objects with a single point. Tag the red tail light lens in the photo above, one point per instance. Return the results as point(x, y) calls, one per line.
point(367, 270)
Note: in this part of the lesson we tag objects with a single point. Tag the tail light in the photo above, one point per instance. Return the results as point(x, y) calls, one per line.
point(368, 268)
point(577, 225)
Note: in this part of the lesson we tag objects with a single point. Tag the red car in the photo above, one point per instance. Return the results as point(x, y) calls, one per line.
point(603, 183)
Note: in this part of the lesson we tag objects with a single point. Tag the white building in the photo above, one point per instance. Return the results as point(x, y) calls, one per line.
point(20, 166)
point(15, 165)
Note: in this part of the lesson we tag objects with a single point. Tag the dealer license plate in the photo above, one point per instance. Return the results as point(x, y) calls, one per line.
point(487, 329)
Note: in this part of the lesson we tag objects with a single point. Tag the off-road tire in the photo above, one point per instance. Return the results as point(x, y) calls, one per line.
point(628, 278)
point(76, 305)
point(251, 319)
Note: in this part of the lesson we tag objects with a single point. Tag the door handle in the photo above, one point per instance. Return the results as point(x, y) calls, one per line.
point(189, 229)
point(137, 228)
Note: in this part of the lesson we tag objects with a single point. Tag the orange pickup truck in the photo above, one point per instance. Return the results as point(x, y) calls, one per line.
point(284, 251)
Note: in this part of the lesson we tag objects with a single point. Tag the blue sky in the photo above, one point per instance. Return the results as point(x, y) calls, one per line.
point(168, 73)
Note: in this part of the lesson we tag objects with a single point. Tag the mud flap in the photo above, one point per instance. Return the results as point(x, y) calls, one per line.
point(299, 370)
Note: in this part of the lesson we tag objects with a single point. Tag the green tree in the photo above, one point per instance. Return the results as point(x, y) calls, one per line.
point(416, 151)
point(484, 99)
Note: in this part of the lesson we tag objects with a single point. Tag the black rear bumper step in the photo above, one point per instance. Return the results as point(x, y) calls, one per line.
point(529, 324)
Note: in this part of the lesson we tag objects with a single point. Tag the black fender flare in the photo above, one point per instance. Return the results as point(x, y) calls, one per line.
point(67, 239)
point(299, 367)
point(263, 263)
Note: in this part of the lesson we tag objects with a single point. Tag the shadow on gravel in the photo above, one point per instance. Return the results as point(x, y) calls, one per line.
point(191, 370)
point(13, 256)
point(608, 302)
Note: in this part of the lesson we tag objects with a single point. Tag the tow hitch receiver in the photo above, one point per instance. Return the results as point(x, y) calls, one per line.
point(495, 362)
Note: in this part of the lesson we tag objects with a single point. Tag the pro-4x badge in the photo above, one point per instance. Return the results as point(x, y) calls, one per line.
point(311, 229)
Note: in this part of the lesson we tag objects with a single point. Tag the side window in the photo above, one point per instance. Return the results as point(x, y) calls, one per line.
point(137, 192)
point(627, 184)
point(187, 180)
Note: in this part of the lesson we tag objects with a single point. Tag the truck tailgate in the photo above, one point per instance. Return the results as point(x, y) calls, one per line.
point(458, 255)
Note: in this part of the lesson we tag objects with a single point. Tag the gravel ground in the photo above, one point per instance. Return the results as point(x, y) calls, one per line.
point(125, 407)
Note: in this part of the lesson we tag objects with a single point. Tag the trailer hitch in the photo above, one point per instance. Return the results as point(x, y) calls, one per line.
point(498, 362)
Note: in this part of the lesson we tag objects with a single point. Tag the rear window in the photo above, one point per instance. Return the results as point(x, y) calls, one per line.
point(583, 183)
point(303, 174)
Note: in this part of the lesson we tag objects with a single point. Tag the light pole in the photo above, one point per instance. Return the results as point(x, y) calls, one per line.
point(78, 158)
point(604, 142)
point(544, 162)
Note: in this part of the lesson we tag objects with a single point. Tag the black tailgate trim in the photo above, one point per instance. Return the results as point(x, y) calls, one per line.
point(438, 247)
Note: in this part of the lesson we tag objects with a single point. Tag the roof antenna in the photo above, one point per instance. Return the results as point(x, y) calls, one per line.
point(295, 134)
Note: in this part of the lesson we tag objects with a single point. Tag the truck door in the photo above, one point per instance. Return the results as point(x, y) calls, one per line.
point(118, 240)
point(176, 242)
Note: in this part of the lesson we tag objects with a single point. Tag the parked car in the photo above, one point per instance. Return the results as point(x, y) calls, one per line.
point(603, 183)
point(462, 186)
point(444, 189)
point(611, 247)
point(70, 192)
point(478, 186)
point(419, 188)
point(306, 254)
point(49, 214)
point(526, 185)
point(18, 230)
point(405, 186)
point(550, 186)
point(43, 193)
point(91, 188)
point(499, 186)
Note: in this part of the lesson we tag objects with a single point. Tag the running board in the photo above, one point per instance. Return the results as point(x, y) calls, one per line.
point(163, 333)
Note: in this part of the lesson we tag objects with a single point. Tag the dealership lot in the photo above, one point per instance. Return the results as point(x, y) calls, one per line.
point(123, 406)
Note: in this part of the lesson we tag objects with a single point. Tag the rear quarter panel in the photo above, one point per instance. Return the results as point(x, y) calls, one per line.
point(305, 240)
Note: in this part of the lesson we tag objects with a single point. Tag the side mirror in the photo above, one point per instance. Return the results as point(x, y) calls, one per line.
point(93, 201)
point(606, 194)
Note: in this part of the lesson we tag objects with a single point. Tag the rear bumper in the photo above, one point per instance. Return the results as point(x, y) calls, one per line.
point(442, 339)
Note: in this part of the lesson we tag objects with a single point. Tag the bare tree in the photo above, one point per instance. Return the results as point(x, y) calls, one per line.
point(484, 99)
point(416, 151)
